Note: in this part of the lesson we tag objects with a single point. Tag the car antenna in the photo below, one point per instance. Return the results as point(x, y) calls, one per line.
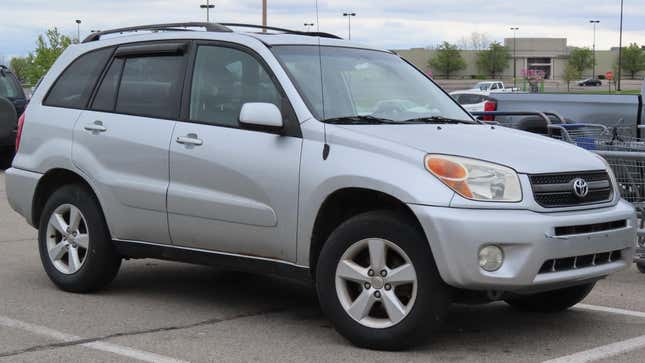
point(326, 148)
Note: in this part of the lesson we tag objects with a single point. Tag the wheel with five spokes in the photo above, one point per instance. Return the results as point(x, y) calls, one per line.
point(378, 283)
point(74, 242)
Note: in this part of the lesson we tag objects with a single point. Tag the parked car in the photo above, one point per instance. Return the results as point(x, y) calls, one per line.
point(473, 101)
point(493, 87)
point(311, 157)
point(590, 82)
point(11, 90)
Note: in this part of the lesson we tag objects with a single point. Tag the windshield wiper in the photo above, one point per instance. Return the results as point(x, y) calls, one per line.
point(361, 120)
point(438, 119)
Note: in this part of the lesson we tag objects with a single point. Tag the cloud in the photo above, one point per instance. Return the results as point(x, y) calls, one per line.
point(386, 24)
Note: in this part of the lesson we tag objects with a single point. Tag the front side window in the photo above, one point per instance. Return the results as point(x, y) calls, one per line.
point(74, 87)
point(341, 82)
point(151, 86)
point(224, 79)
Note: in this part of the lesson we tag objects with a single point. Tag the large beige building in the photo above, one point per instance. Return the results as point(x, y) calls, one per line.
point(546, 54)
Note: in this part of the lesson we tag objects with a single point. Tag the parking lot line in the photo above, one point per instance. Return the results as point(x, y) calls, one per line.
point(605, 309)
point(96, 345)
point(609, 350)
point(603, 352)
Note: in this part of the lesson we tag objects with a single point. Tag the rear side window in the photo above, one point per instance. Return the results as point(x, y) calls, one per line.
point(151, 86)
point(105, 98)
point(74, 87)
point(9, 87)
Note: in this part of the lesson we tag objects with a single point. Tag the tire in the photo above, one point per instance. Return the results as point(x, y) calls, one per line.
point(6, 157)
point(641, 266)
point(97, 263)
point(551, 301)
point(426, 305)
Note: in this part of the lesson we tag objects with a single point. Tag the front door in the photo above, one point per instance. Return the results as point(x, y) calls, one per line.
point(231, 189)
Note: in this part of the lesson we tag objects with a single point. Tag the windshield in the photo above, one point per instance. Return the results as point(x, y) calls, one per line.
point(482, 86)
point(366, 84)
point(9, 88)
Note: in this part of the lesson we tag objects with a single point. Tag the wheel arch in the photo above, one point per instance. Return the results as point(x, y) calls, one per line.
point(345, 203)
point(52, 180)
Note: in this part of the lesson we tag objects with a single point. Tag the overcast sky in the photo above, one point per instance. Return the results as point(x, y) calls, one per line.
point(387, 24)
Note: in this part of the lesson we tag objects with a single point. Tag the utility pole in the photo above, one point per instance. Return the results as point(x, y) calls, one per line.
point(594, 22)
point(349, 24)
point(515, 29)
point(208, 6)
point(78, 30)
point(308, 26)
point(620, 49)
point(264, 15)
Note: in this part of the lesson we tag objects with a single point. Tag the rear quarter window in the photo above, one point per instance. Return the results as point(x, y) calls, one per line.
point(74, 86)
point(9, 87)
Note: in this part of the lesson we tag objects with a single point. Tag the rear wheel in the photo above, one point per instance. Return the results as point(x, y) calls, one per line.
point(377, 282)
point(641, 266)
point(551, 301)
point(74, 243)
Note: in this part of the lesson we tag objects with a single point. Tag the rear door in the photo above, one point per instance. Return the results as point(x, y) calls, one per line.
point(233, 189)
point(122, 141)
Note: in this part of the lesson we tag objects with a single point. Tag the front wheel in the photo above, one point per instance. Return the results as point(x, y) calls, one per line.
point(551, 301)
point(378, 283)
point(74, 243)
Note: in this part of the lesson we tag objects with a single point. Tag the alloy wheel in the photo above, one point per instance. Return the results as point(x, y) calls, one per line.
point(67, 239)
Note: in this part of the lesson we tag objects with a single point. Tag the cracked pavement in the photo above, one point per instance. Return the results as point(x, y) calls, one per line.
point(178, 312)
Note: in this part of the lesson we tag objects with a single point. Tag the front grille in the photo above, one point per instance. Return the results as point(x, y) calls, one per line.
point(557, 190)
point(590, 228)
point(576, 262)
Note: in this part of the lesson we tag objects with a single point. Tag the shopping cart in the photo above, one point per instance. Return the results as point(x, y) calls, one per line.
point(626, 156)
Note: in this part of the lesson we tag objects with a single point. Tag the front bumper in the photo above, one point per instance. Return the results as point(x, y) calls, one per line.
point(527, 239)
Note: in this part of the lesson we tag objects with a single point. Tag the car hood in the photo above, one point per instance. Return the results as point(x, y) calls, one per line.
point(523, 151)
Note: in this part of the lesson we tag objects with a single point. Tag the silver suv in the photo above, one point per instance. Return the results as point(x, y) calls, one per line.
point(310, 157)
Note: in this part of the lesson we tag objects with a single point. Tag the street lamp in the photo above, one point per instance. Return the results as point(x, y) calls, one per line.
point(208, 6)
point(349, 23)
point(308, 26)
point(78, 30)
point(620, 48)
point(594, 22)
point(515, 29)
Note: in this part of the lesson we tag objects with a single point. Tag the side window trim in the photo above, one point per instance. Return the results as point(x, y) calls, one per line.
point(93, 89)
point(292, 126)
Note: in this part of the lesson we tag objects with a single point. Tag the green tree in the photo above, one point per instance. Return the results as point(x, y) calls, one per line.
point(447, 59)
point(48, 48)
point(581, 59)
point(493, 60)
point(570, 74)
point(20, 67)
point(633, 59)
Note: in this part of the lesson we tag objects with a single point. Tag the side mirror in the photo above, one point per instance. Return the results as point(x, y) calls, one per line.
point(262, 116)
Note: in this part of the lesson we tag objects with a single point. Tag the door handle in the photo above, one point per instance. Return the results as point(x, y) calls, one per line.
point(95, 127)
point(190, 139)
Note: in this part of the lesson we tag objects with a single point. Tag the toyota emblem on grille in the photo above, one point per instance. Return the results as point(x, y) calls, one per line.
point(580, 188)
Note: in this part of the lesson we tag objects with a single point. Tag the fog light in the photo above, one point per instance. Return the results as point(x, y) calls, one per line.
point(491, 258)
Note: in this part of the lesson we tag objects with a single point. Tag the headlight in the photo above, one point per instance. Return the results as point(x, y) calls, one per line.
point(476, 179)
point(612, 176)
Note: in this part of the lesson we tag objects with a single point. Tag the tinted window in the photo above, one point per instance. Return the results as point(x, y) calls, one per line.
point(74, 86)
point(9, 87)
point(224, 79)
point(470, 99)
point(151, 86)
point(106, 96)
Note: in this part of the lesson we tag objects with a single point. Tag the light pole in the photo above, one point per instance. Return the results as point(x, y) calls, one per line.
point(78, 30)
point(593, 72)
point(515, 29)
point(208, 6)
point(264, 15)
point(308, 26)
point(349, 24)
point(620, 48)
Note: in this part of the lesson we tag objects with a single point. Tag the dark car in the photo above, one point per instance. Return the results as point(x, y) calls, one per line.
point(11, 90)
point(590, 82)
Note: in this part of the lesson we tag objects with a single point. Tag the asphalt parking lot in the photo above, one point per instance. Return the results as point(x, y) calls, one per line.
point(168, 312)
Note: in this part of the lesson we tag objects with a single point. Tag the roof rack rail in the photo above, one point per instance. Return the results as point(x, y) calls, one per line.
point(211, 27)
point(287, 31)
